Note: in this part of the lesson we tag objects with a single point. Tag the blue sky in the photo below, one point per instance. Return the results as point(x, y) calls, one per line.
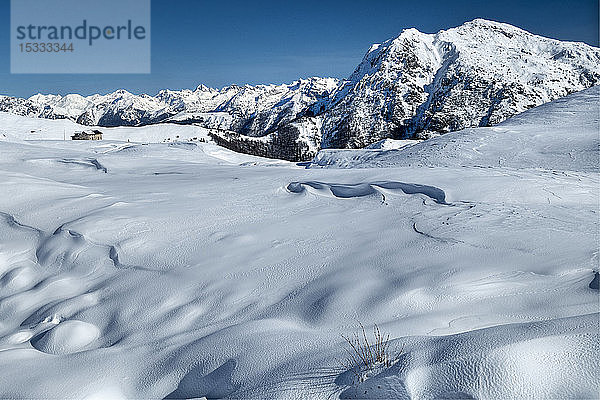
point(258, 41)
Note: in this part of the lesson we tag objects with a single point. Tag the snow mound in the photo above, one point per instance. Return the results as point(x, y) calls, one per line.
point(214, 385)
point(529, 360)
point(67, 337)
point(391, 144)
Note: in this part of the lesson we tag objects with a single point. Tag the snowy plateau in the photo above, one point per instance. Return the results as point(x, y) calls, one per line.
point(158, 264)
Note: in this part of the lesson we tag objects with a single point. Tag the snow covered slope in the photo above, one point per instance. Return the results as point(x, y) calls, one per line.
point(477, 74)
point(562, 135)
point(17, 128)
point(183, 270)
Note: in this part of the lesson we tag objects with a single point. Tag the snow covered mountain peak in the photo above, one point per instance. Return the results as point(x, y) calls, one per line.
point(477, 74)
point(204, 88)
point(482, 23)
point(414, 85)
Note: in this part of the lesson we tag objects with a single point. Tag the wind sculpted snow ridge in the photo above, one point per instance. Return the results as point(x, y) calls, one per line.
point(413, 86)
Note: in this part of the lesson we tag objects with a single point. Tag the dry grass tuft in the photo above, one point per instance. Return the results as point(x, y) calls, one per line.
point(363, 355)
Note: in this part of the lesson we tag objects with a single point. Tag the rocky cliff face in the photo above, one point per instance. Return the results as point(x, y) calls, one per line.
point(415, 85)
point(477, 74)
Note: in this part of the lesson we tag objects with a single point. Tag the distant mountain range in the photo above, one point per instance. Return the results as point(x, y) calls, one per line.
point(415, 85)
